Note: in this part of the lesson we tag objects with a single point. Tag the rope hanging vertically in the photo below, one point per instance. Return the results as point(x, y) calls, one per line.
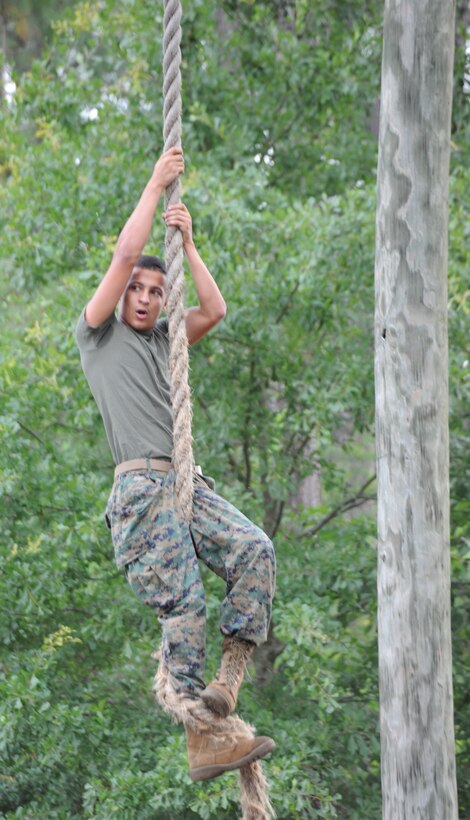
point(254, 797)
point(179, 361)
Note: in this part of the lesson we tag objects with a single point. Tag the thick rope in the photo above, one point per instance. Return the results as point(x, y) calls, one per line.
point(254, 798)
point(179, 361)
point(194, 714)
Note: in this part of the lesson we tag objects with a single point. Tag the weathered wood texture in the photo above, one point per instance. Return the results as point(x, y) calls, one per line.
point(418, 760)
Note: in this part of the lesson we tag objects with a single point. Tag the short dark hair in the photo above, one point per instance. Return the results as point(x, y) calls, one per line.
point(151, 263)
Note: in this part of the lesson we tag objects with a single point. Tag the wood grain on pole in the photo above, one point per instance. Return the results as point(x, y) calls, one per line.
point(416, 701)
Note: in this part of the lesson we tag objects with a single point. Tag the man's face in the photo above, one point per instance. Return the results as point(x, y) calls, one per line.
point(143, 299)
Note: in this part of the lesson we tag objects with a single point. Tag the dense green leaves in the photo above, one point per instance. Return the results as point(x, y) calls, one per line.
point(280, 181)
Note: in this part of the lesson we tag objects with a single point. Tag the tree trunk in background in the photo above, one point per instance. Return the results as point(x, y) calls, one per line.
point(308, 493)
point(418, 761)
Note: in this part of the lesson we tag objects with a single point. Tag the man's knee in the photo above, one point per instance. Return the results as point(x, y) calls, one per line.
point(267, 553)
point(258, 561)
point(263, 549)
point(259, 551)
point(266, 561)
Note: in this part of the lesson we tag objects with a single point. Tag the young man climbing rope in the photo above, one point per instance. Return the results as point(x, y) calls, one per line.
point(125, 360)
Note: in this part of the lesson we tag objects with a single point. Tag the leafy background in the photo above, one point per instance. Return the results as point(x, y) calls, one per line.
point(280, 107)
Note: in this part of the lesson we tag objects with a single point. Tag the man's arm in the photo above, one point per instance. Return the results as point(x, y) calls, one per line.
point(133, 238)
point(211, 309)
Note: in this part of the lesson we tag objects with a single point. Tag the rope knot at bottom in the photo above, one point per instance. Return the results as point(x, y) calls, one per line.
point(194, 715)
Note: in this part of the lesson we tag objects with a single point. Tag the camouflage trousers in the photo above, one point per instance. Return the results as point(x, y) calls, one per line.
point(160, 554)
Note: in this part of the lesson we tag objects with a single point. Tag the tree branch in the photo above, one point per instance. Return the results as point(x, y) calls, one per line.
point(277, 521)
point(32, 433)
point(235, 467)
point(287, 303)
point(348, 504)
point(247, 431)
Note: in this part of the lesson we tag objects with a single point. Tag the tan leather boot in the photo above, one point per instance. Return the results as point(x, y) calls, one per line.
point(221, 693)
point(210, 755)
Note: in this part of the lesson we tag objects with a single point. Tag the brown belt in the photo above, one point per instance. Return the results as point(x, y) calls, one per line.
point(147, 464)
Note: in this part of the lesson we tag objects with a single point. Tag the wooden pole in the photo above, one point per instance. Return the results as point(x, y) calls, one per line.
point(415, 663)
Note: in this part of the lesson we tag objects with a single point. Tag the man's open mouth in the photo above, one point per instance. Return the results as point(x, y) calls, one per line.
point(141, 313)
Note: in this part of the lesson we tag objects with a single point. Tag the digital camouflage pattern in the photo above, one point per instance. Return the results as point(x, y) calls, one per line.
point(160, 554)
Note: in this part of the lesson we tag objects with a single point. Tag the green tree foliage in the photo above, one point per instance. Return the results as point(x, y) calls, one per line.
point(25, 25)
point(281, 183)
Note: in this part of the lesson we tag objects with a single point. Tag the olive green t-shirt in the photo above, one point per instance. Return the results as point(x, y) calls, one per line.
point(127, 372)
